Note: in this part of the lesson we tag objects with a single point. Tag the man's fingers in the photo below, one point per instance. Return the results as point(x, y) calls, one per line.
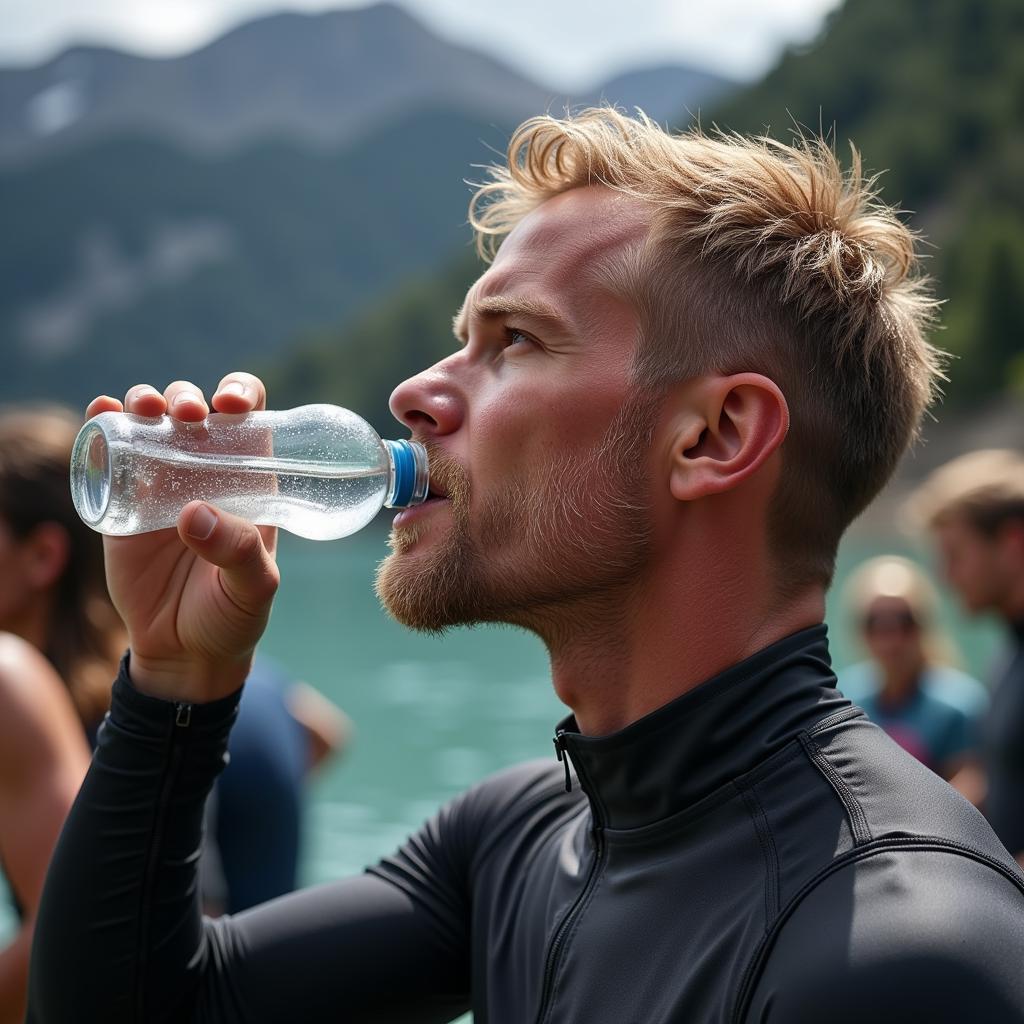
point(185, 401)
point(102, 403)
point(145, 400)
point(249, 573)
point(239, 392)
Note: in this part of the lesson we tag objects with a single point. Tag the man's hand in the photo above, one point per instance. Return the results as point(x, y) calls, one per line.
point(195, 600)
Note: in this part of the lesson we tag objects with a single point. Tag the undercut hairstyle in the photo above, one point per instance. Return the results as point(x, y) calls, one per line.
point(84, 636)
point(984, 488)
point(761, 257)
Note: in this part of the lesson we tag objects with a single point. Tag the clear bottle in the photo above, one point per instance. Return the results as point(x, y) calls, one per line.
point(317, 471)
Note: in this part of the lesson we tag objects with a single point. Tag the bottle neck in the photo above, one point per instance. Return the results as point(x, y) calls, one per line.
point(410, 474)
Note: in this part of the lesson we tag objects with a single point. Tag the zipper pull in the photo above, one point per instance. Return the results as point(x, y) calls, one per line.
point(183, 714)
point(562, 755)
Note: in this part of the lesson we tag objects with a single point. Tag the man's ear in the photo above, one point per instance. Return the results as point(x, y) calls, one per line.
point(47, 549)
point(730, 427)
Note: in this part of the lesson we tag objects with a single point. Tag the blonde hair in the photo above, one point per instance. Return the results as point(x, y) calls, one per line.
point(986, 488)
point(760, 257)
point(896, 577)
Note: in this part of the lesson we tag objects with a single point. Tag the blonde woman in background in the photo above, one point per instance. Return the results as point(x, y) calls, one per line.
point(908, 684)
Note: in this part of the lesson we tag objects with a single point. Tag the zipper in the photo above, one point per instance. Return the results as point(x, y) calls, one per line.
point(175, 751)
point(563, 757)
point(559, 940)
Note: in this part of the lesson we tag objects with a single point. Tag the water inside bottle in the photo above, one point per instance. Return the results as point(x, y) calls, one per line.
point(318, 500)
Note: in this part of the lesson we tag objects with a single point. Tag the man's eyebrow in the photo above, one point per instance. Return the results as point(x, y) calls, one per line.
point(497, 306)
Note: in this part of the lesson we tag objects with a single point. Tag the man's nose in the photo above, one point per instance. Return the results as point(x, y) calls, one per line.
point(429, 403)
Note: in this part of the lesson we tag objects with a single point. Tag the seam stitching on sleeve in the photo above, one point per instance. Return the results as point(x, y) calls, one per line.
point(858, 819)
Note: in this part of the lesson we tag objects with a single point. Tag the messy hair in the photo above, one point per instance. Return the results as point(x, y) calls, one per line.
point(761, 257)
point(985, 488)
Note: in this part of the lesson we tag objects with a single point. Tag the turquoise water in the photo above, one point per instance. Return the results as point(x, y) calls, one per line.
point(432, 715)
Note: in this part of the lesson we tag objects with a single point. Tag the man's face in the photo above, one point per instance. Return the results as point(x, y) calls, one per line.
point(973, 564)
point(536, 441)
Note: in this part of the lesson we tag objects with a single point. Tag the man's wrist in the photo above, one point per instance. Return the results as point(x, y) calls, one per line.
point(187, 681)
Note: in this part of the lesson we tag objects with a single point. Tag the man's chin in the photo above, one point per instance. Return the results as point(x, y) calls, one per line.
point(421, 588)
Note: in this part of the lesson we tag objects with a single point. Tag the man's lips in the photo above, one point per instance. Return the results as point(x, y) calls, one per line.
point(407, 515)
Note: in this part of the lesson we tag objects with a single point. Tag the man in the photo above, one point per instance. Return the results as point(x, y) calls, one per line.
point(690, 364)
point(974, 508)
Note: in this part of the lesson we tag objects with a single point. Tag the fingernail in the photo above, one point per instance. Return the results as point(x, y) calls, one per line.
point(234, 388)
point(202, 523)
point(179, 399)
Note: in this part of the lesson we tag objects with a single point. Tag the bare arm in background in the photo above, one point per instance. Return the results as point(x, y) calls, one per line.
point(43, 757)
point(328, 728)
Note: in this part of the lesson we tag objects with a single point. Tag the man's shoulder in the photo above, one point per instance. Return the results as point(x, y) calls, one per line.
point(900, 930)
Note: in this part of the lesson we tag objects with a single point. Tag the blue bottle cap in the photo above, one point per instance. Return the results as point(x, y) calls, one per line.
point(409, 474)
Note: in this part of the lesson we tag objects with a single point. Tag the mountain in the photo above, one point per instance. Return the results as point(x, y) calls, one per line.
point(662, 91)
point(930, 91)
point(131, 260)
point(199, 214)
point(322, 79)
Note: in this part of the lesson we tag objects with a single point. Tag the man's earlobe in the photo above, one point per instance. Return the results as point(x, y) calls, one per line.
point(744, 418)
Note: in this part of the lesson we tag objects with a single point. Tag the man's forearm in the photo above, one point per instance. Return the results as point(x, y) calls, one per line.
point(122, 882)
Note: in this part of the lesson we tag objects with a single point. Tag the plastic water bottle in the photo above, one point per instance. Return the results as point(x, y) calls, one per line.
point(318, 471)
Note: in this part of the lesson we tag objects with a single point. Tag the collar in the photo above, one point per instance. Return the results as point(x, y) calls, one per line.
point(678, 754)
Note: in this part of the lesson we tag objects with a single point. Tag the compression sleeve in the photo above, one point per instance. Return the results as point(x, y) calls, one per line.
point(935, 937)
point(120, 935)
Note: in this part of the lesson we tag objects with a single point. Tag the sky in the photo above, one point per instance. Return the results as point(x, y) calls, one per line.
point(569, 44)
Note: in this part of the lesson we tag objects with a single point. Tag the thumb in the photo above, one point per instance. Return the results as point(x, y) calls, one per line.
point(249, 573)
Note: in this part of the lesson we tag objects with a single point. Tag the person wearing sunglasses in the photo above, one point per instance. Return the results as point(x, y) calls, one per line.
point(908, 684)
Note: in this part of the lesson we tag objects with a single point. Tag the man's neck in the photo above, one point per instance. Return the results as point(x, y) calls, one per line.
point(629, 652)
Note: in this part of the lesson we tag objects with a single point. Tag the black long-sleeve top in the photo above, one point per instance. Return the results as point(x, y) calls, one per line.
point(754, 851)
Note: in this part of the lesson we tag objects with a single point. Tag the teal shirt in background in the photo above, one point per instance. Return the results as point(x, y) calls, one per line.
point(937, 724)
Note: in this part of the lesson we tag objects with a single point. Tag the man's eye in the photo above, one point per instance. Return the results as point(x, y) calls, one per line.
point(514, 338)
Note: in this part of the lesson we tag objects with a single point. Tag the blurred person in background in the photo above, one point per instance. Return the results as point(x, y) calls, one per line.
point(974, 509)
point(54, 597)
point(53, 629)
point(908, 685)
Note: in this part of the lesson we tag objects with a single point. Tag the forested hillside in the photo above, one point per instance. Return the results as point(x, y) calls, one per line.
point(359, 366)
point(932, 93)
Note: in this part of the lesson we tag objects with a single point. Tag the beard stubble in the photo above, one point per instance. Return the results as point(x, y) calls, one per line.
point(576, 532)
